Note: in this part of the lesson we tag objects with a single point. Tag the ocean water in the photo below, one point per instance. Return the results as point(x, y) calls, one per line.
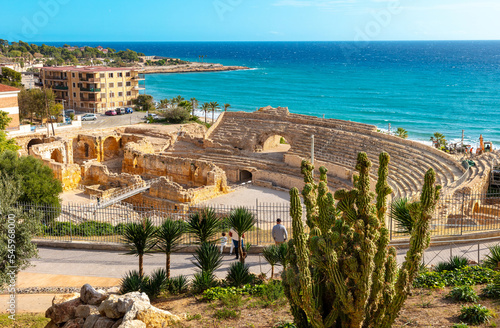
point(423, 87)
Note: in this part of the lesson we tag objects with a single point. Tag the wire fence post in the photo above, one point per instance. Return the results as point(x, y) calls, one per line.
point(258, 220)
point(463, 214)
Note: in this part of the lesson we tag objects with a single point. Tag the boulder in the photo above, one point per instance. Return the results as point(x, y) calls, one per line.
point(117, 323)
point(91, 320)
point(63, 312)
point(51, 324)
point(115, 306)
point(132, 324)
point(74, 323)
point(89, 295)
point(156, 318)
point(104, 322)
point(136, 308)
point(83, 311)
point(64, 298)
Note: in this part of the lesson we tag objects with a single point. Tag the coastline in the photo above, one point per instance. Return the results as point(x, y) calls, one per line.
point(192, 68)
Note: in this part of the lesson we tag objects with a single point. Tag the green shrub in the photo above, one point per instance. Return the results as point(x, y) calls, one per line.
point(177, 115)
point(456, 262)
point(178, 285)
point(492, 290)
point(239, 275)
point(226, 313)
point(492, 260)
point(463, 294)
point(131, 282)
point(93, 228)
point(232, 301)
point(475, 314)
point(151, 285)
point(217, 293)
point(282, 324)
point(469, 275)
point(460, 325)
point(203, 281)
point(273, 291)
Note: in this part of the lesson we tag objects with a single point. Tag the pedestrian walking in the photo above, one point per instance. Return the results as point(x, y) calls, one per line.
point(234, 236)
point(223, 242)
point(280, 235)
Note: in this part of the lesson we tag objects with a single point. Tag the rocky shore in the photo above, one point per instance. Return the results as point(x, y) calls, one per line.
point(191, 68)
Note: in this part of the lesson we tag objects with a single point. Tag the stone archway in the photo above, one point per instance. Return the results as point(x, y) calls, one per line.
point(111, 148)
point(57, 156)
point(245, 176)
point(33, 142)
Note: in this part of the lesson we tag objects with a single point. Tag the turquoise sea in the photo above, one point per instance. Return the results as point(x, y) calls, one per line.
point(424, 87)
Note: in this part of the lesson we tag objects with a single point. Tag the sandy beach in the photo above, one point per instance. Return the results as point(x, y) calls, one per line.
point(192, 68)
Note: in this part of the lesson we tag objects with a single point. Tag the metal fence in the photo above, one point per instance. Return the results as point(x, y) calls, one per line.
point(454, 216)
point(457, 215)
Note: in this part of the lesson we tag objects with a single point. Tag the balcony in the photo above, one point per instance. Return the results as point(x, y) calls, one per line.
point(139, 77)
point(90, 99)
point(59, 87)
point(139, 87)
point(57, 78)
point(90, 89)
point(92, 79)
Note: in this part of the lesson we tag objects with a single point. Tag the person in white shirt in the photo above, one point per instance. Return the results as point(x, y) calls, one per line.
point(223, 242)
point(234, 236)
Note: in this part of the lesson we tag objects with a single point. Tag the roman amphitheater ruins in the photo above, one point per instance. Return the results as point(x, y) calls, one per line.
point(144, 164)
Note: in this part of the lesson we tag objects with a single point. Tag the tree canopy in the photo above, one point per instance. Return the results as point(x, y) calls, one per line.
point(10, 77)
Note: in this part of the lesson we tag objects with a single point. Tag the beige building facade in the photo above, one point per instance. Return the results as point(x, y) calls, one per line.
point(9, 103)
point(93, 89)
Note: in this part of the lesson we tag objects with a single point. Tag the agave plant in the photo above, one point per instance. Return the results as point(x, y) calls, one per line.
point(203, 281)
point(155, 283)
point(204, 225)
point(169, 235)
point(131, 282)
point(208, 257)
point(455, 262)
point(401, 214)
point(492, 260)
point(178, 285)
point(239, 275)
point(241, 220)
point(140, 239)
point(272, 256)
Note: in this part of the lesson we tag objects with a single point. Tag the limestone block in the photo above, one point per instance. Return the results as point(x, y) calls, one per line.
point(91, 320)
point(64, 297)
point(51, 324)
point(132, 324)
point(63, 312)
point(83, 311)
point(104, 322)
point(136, 308)
point(115, 306)
point(74, 323)
point(156, 318)
point(90, 296)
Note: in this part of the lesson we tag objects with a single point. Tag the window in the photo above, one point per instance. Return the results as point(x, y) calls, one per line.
point(103, 105)
point(129, 93)
point(74, 85)
point(127, 74)
point(74, 94)
point(120, 74)
point(129, 102)
point(80, 85)
point(120, 103)
point(120, 94)
point(103, 85)
point(128, 84)
point(111, 85)
point(73, 75)
point(111, 94)
point(102, 75)
point(81, 95)
point(103, 95)
point(81, 104)
point(112, 104)
point(120, 84)
point(110, 74)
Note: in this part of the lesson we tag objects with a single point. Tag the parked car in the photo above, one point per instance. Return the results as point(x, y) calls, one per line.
point(69, 112)
point(89, 117)
point(129, 110)
point(152, 115)
point(110, 112)
point(121, 111)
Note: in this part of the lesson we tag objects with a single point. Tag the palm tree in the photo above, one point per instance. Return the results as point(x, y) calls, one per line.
point(194, 103)
point(402, 133)
point(241, 220)
point(205, 107)
point(214, 106)
point(204, 225)
point(226, 106)
point(169, 236)
point(401, 214)
point(438, 139)
point(272, 256)
point(140, 239)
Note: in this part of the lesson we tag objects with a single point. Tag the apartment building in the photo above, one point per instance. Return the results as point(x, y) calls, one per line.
point(9, 103)
point(93, 89)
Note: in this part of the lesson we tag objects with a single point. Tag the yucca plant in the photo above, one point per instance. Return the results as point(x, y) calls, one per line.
point(272, 256)
point(140, 239)
point(283, 250)
point(178, 285)
point(456, 262)
point(241, 220)
point(401, 215)
point(203, 281)
point(208, 257)
point(131, 282)
point(492, 260)
point(155, 283)
point(239, 275)
point(204, 225)
point(169, 235)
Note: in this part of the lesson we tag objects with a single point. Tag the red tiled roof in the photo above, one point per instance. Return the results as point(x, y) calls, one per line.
point(7, 88)
point(89, 69)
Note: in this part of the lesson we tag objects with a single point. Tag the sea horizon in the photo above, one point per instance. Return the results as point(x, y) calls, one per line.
point(422, 86)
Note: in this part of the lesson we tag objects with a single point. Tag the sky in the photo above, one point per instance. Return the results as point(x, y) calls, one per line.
point(249, 20)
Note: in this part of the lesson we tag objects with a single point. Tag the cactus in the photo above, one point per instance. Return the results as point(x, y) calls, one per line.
point(343, 274)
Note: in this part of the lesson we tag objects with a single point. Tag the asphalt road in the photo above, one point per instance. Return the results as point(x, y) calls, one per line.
point(104, 121)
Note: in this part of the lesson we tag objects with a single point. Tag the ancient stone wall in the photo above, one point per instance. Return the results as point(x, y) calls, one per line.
point(60, 151)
